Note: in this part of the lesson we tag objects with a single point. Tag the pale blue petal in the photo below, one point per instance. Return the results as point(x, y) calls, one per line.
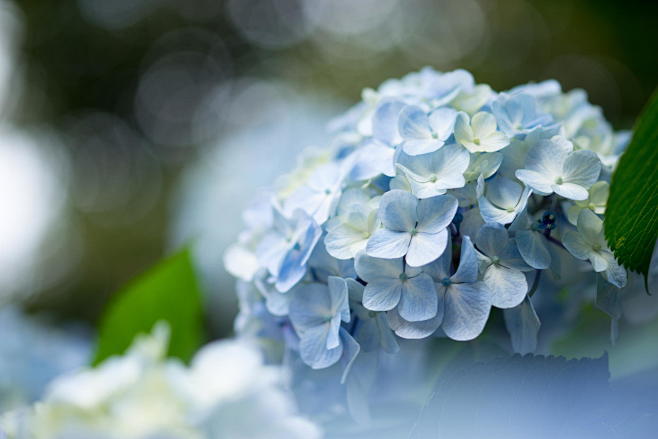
point(491, 239)
point(471, 223)
point(313, 348)
point(351, 350)
point(397, 210)
point(419, 300)
point(354, 290)
point(493, 214)
point(575, 243)
point(385, 121)
point(510, 257)
point(440, 269)
point(338, 293)
point(468, 263)
point(291, 272)
point(388, 244)
point(533, 249)
point(310, 306)
point(342, 239)
point(571, 191)
point(415, 147)
point(615, 273)
point(442, 121)
point(582, 168)
point(370, 269)
point(507, 286)
point(504, 192)
point(382, 294)
point(413, 330)
point(332, 337)
point(426, 247)
point(414, 124)
point(467, 309)
point(548, 156)
point(537, 181)
point(436, 213)
point(372, 160)
point(522, 324)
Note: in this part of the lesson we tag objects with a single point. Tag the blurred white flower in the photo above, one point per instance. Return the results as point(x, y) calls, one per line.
point(227, 392)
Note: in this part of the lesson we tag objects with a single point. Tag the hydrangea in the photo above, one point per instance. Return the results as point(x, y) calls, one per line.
point(142, 395)
point(436, 200)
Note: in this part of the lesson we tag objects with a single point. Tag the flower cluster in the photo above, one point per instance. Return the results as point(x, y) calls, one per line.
point(436, 200)
point(141, 395)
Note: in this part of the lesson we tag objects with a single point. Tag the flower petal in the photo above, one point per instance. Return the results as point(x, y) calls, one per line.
point(522, 324)
point(442, 121)
point(313, 348)
point(537, 181)
point(571, 191)
point(491, 239)
point(436, 213)
point(382, 294)
point(467, 309)
point(370, 269)
point(483, 124)
point(414, 124)
point(426, 247)
point(388, 244)
point(507, 286)
point(533, 249)
point(419, 300)
point(397, 210)
point(385, 121)
point(413, 330)
point(576, 244)
point(582, 168)
point(468, 263)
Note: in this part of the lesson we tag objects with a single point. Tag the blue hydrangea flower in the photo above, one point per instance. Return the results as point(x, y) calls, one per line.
point(465, 302)
point(530, 237)
point(429, 175)
point(355, 221)
point(502, 200)
point(502, 266)
point(518, 113)
point(423, 133)
point(479, 133)
point(588, 243)
point(436, 199)
point(412, 227)
point(316, 311)
point(286, 249)
point(553, 166)
point(391, 283)
point(319, 196)
point(369, 328)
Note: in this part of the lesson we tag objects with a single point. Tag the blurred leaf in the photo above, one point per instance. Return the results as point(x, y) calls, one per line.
point(169, 291)
point(631, 218)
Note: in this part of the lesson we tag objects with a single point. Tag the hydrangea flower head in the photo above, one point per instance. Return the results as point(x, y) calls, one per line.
point(436, 200)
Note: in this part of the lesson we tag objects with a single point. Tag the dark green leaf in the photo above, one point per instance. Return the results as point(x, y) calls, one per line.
point(167, 292)
point(631, 218)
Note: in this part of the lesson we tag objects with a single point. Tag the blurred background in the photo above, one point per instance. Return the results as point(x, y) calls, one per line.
point(129, 128)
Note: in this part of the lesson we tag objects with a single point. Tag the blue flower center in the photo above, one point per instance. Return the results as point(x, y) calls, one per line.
point(446, 282)
point(403, 277)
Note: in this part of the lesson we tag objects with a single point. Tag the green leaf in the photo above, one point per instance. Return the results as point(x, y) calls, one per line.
point(631, 218)
point(167, 292)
